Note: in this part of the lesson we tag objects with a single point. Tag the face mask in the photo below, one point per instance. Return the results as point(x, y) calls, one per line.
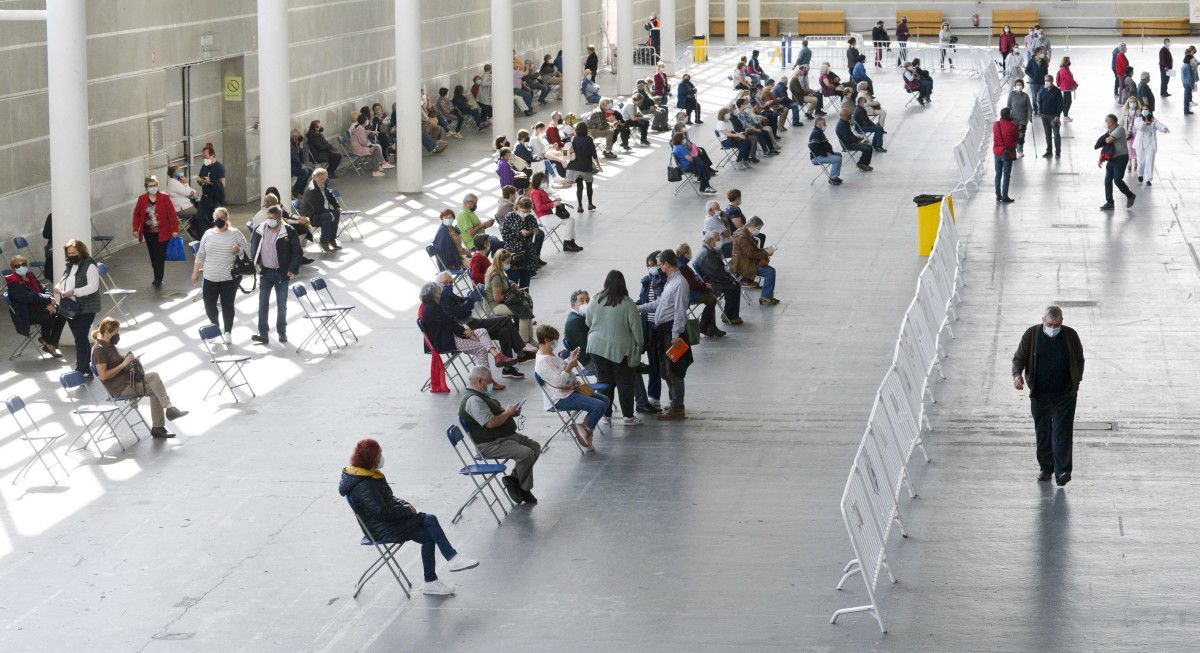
point(380, 465)
point(490, 387)
point(1019, 88)
point(543, 185)
point(507, 267)
point(114, 339)
point(272, 223)
point(652, 271)
point(553, 345)
point(73, 259)
point(153, 190)
point(220, 223)
point(1051, 331)
point(1145, 112)
point(448, 221)
point(209, 162)
point(179, 175)
point(581, 309)
point(22, 270)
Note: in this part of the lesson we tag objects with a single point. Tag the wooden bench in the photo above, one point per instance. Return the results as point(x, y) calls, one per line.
point(820, 22)
point(1155, 26)
point(922, 24)
point(1020, 20)
point(768, 27)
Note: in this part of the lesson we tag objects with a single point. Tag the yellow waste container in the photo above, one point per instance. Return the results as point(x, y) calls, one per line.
point(929, 208)
point(699, 49)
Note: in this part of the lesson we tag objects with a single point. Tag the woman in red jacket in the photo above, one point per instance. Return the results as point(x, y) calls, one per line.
point(543, 207)
point(1004, 148)
point(155, 222)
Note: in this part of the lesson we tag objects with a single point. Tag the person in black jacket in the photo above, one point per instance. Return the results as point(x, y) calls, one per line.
point(448, 334)
point(711, 268)
point(322, 209)
point(390, 520)
point(1049, 107)
point(880, 36)
point(592, 62)
point(48, 250)
point(850, 141)
point(300, 170)
point(33, 304)
point(321, 149)
point(820, 152)
point(864, 124)
point(1049, 359)
point(502, 329)
point(278, 262)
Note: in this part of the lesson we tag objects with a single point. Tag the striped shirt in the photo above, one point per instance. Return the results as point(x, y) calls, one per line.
point(216, 252)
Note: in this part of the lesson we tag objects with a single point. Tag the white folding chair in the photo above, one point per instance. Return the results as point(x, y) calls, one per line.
point(117, 294)
point(324, 323)
point(551, 231)
point(230, 368)
point(341, 310)
point(485, 476)
point(349, 217)
point(127, 408)
point(357, 163)
point(387, 557)
point(32, 433)
point(728, 153)
point(98, 419)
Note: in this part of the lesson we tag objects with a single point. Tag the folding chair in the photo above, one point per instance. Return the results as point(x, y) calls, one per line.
point(116, 294)
point(341, 310)
point(101, 242)
point(31, 339)
point(22, 246)
point(462, 278)
point(686, 179)
point(477, 295)
point(913, 94)
point(456, 368)
point(849, 153)
point(739, 278)
point(822, 169)
point(728, 153)
point(569, 418)
point(127, 407)
point(229, 368)
point(97, 419)
point(32, 434)
point(483, 475)
point(349, 219)
point(324, 323)
point(551, 232)
point(387, 558)
point(357, 163)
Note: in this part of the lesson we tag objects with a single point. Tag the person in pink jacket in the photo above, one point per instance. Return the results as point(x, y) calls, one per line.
point(1067, 84)
point(361, 145)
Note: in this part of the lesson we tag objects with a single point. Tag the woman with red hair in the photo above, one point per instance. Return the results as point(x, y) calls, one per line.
point(393, 520)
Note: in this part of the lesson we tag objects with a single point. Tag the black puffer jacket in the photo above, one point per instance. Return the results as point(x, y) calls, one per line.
point(389, 519)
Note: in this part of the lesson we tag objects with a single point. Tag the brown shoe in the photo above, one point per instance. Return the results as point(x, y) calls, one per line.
point(672, 414)
point(580, 437)
point(751, 285)
point(326, 248)
point(736, 321)
point(768, 301)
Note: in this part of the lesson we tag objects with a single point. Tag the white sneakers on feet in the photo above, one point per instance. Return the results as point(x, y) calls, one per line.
point(437, 588)
point(631, 421)
point(461, 562)
point(227, 338)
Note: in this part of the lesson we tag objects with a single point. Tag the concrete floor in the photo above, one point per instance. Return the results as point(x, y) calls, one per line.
point(715, 534)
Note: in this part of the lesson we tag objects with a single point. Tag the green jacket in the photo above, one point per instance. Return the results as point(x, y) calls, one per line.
point(615, 332)
point(575, 332)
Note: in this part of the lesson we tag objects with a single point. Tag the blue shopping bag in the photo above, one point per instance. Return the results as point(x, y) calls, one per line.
point(175, 249)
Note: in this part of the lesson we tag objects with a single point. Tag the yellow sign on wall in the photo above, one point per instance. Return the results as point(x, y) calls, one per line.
point(233, 89)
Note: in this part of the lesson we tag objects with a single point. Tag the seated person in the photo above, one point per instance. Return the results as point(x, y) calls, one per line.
point(320, 149)
point(916, 79)
point(361, 145)
point(874, 108)
point(506, 174)
point(469, 225)
point(859, 74)
point(322, 209)
point(494, 432)
point(750, 259)
point(733, 138)
point(646, 104)
point(523, 150)
point(448, 113)
point(448, 243)
point(714, 221)
point(802, 93)
point(533, 79)
point(505, 299)
point(740, 78)
point(480, 261)
point(123, 377)
point(464, 103)
point(564, 390)
point(689, 163)
point(550, 76)
point(864, 124)
point(575, 330)
point(752, 126)
point(503, 330)
point(779, 93)
point(850, 141)
point(699, 292)
point(700, 153)
point(634, 119)
point(448, 334)
point(33, 304)
point(553, 157)
point(589, 89)
point(544, 206)
point(392, 521)
point(831, 84)
point(820, 151)
point(615, 122)
point(711, 268)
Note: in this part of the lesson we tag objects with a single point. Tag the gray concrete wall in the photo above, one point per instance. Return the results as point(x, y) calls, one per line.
point(341, 58)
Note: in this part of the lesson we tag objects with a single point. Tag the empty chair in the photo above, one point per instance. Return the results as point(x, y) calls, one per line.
point(325, 296)
point(230, 368)
point(324, 323)
point(98, 419)
point(101, 242)
point(485, 476)
point(40, 443)
point(117, 294)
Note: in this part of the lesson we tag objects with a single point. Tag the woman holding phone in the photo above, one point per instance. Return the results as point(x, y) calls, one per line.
point(564, 390)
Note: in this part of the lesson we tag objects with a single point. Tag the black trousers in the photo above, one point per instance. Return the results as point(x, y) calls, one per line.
point(225, 291)
point(733, 299)
point(1052, 136)
point(1054, 422)
point(503, 330)
point(620, 378)
point(158, 254)
point(81, 327)
point(51, 323)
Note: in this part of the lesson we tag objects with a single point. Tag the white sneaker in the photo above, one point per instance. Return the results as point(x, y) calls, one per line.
point(654, 404)
point(631, 421)
point(437, 588)
point(461, 562)
point(227, 338)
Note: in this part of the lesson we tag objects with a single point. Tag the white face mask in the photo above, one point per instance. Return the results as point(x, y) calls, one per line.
point(543, 185)
point(1145, 112)
point(490, 387)
point(380, 465)
point(272, 223)
point(581, 309)
point(209, 162)
point(1051, 331)
point(448, 221)
point(22, 270)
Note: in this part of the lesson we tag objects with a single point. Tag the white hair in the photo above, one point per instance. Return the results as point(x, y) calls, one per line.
point(479, 373)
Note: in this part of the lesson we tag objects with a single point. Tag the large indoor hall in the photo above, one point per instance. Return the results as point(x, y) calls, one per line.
point(694, 339)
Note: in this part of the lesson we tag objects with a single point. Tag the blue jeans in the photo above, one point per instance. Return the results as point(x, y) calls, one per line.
point(742, 145)
point(768, 287)
point(545, 90)
point(1187, 100)
point(834, 161)
point(795, 107)
point(1034, 91)
point(429, 536)
point(1003, 173)
point(596, 406)
point(427, 142)
point(524, 95)
point(269, 280)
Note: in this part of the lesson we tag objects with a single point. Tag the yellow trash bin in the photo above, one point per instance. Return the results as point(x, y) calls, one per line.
point(929, 209)
point(699, 49)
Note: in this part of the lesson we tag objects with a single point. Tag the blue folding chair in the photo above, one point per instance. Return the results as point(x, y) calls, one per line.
point(387, 557)
point(28, 339)
point(127, 407)
point(101, 242)
point(484, 475)
point(324, 323)
point(32, 433)
point(98, 419)
point(462, 278)
point(230, 368)
point(22, 246)
point(457, 369)
point(329, 305)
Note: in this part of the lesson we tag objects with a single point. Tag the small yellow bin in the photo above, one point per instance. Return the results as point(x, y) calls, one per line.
point(929, 209)
point(699, 49)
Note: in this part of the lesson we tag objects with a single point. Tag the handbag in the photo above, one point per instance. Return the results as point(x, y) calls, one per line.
point(562, 212)
point(693, 332)
point(585, 389)
point(137, 373)
point(175, 249)
point(1010, 153)
point(519, 303)
point(68, 308)
point(241, 267)
point(674, 174)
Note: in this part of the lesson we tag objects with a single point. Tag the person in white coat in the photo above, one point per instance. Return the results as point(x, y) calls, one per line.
point(1147, 145)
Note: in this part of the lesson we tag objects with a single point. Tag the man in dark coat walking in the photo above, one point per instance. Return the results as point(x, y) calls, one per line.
point(1049, 359)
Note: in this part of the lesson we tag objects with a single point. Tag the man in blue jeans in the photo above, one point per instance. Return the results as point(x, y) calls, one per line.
point(275, 247)
point(751, 259)
point(820, 152)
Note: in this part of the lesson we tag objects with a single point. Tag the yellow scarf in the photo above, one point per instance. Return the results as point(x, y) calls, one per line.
point(359, 471)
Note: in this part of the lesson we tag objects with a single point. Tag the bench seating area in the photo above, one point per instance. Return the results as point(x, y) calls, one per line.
point(1155, 26)
point(922, 23)
point(810, 22)
point(769, 27)
point(1020, 20)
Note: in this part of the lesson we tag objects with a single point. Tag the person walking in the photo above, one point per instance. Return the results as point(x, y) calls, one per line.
point(1067, 84)
point(1187, 78)
point(1008, 43)
point(1166, 64)
point(1004, 149)
point(1049, 360)
point(218, 248)
point(1119, 63)
point(1050, 103)
point(1115, 166)
point(1147, 145)
point(1021, 108)
point(155, 221)
point(275, 248)
point(1036, 71)
point(902, 34)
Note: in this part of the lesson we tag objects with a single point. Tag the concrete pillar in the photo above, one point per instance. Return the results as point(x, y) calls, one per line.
point(624, 49)
point(668, 37)
point(702, 17)
point(409, 150)
point(274, 97)
point(572, 55)
point(730, 22)
point(503, 123)
point(755, 19)
point(70, 165)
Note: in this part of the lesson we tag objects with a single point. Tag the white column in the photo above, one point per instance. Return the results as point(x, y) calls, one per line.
point(503, 123)
point(755, 19)
point(408, 97)
point(274, 97)
point(702, 17)
point(730, 22)
point(666, 13)
point(624, 48)
point(572, 55)
point(66, 77)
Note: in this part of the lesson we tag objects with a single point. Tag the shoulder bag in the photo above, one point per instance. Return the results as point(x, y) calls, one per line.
point(241, 267)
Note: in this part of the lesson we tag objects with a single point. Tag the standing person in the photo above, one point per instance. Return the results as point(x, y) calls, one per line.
point(1114, 171)
point(902, 39)
point(212, 184)
point(851, 55)
point(582, 166)
point(1147, 144)
point(1119, 63)
point(275, 247)
point(655, 28)
point(155, 222)
point(804, 56)
point(1021, 109)
point(1144, 94)
point(1049, 359)
point(218, 248)
point(879, 36)
point(669, 317)
point(615, 342)
point(1008, 43)
point(1187, 78)
point(1066, 84)
point(1004, 149)
point(1030, 43)
point(322, 209)
point(1050, 104)
point(523, 239)
point(945, 44)
point(1166, 63)
point(1036, 71)
point(123, 376)
point(81, 283)
point(48, 248)
point(183, 199)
